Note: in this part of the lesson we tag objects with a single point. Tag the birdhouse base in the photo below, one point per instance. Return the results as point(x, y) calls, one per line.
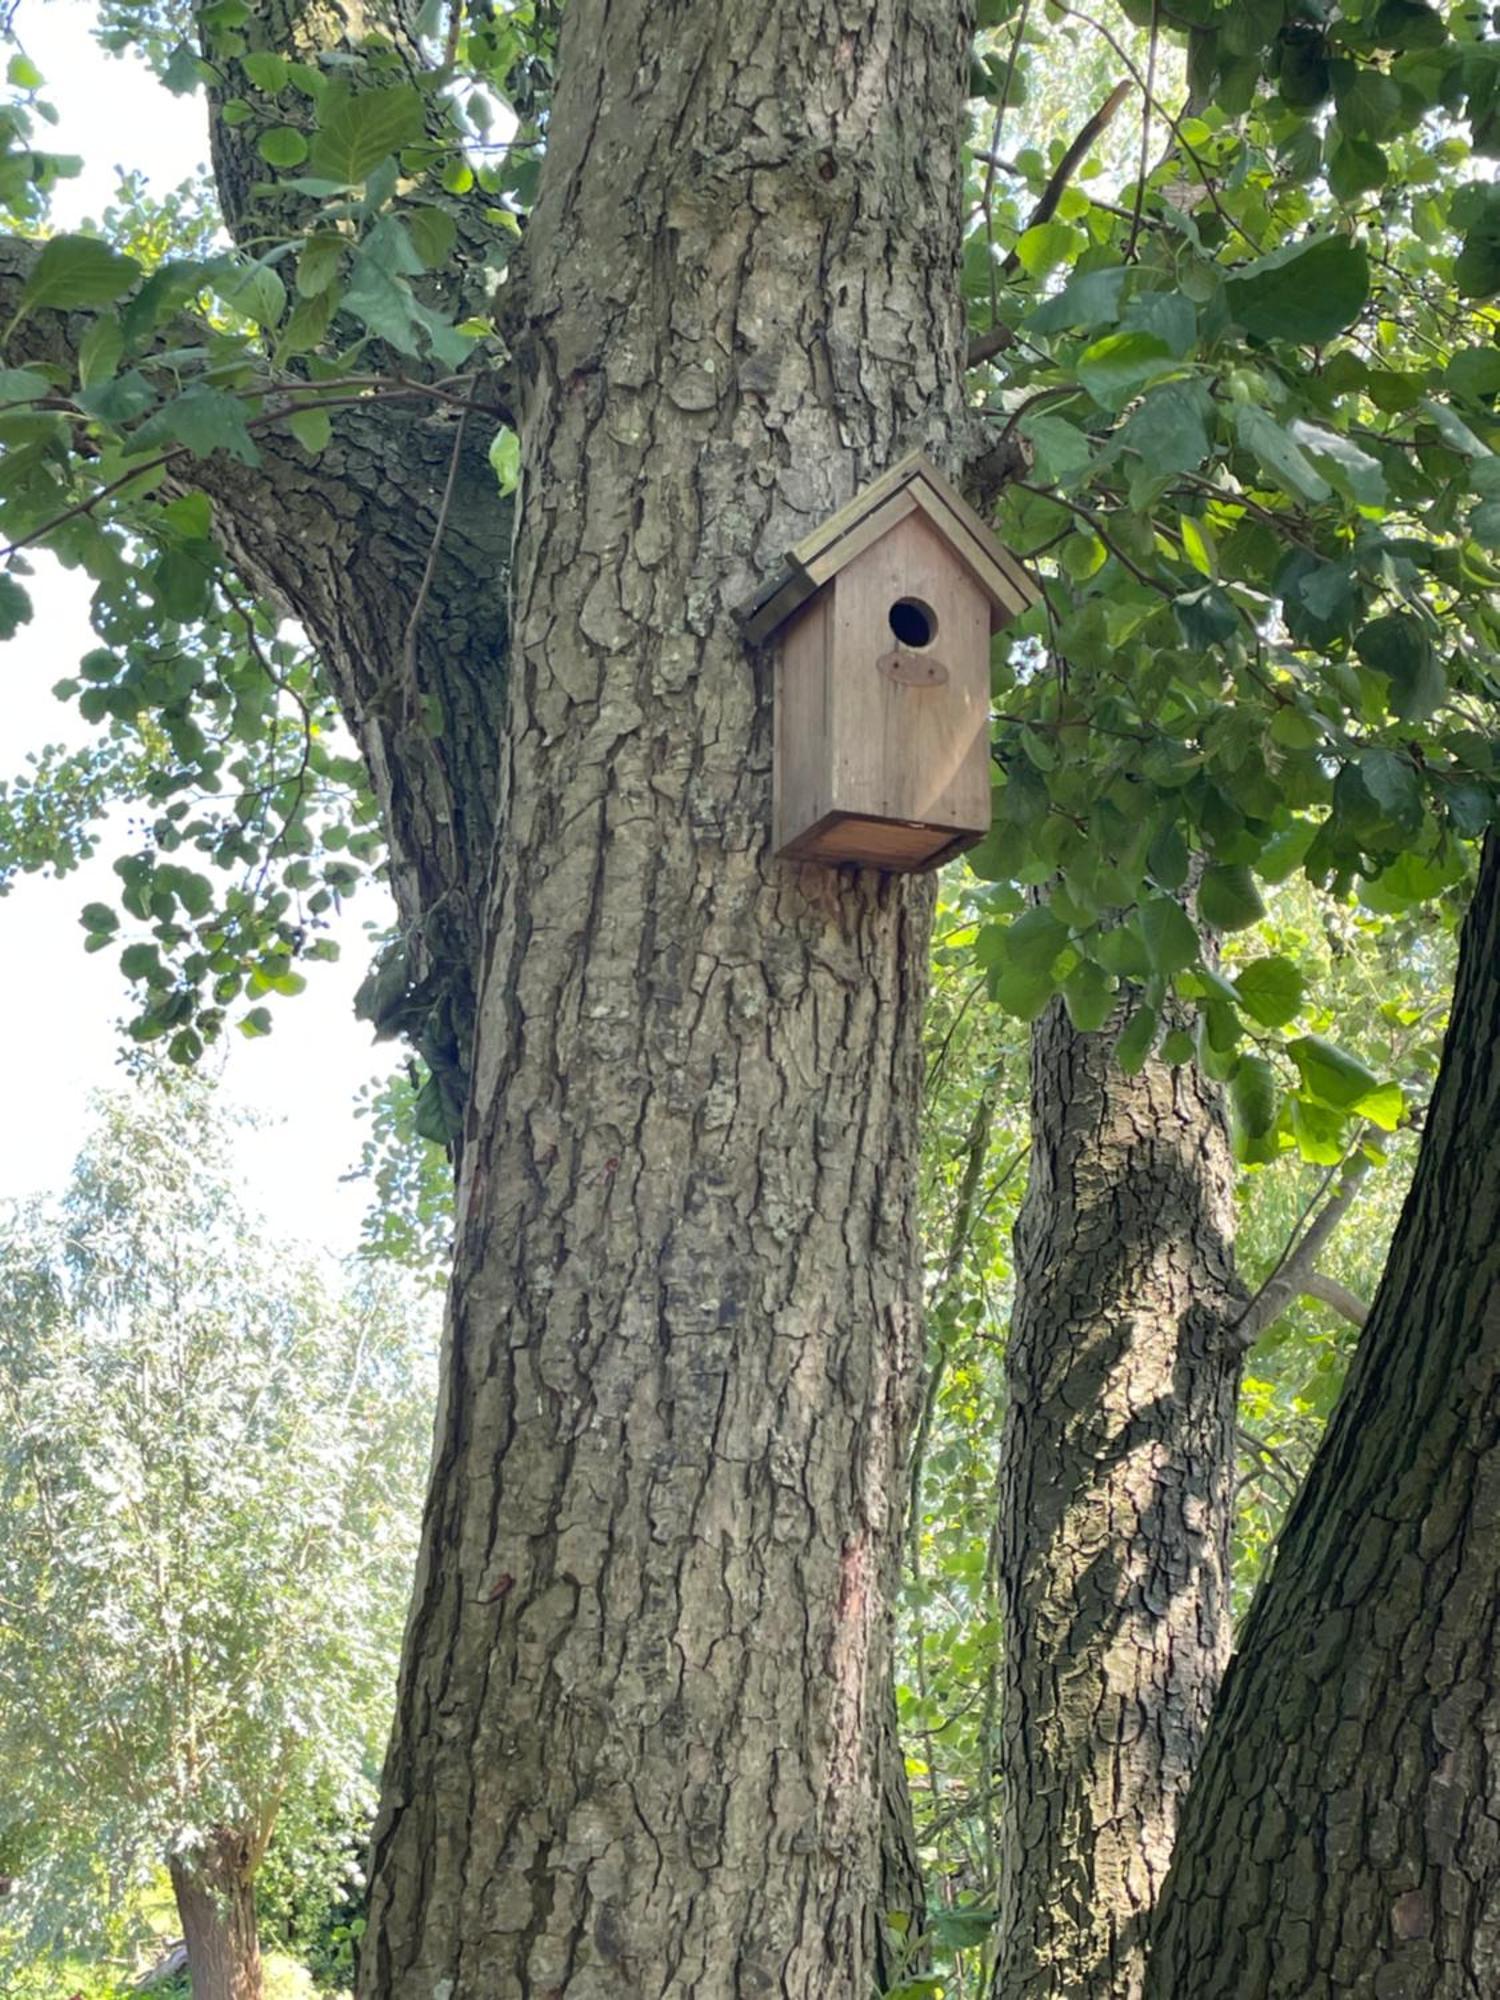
point(900, 845)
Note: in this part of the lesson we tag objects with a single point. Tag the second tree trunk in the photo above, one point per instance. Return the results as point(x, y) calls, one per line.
point(1117, 1469)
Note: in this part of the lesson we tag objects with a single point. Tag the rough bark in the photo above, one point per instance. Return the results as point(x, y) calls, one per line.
point(637, 1744)
point(1341, 1837)
point(1116, 1482)
point(215, 1893)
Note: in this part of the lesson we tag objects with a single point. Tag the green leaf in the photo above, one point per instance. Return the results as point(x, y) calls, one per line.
point(1170, 935)
point(1025, 953)
point(311, 428)
point(1271, 991)
point(15, 607)
point(1392, 782)
point(1134, 1045)
point(1385, 1107)
point(1399, 646)
point(1115, 368)
point(433, 233)
point(1253, 1095)
point(282, 146)
point(1170, 429)
point(962, 1928)
point(318, 266)
point(1280, 454)
point(79, 271)
point(99, 918)
point(254, 291)
point(359, 129)
point(1304, 293)
point(1043, 248)
point(1228, 899)
point(205, 420)
point(266, 70)
point(505, 457)
point(1089, 995)
point(99, 351)
point(1329, 1074)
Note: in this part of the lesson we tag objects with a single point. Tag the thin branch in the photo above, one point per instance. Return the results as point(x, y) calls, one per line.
point(430, 568)
point(1297, 1262)
point(1147, 99)
point(1069, 164)
point(1318, 1285)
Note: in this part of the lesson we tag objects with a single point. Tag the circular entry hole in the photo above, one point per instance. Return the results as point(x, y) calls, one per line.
point(913, 622)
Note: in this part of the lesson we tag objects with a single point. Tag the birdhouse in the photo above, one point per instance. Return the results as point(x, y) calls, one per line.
point(882, 620)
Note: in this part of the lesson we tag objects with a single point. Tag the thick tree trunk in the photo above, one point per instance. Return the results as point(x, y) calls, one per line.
point(215, 1892)
point(1116, 1483)
point(1342, 1835)
point(637, 1746)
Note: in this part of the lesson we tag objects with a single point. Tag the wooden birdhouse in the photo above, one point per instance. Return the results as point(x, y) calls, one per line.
point(882, 620)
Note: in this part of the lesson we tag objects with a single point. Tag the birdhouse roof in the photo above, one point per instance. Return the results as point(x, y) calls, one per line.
point(911, 485)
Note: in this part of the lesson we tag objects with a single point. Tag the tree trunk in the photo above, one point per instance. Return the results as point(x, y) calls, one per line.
point(1342, 1837)
point(1116, 1485)
point(637, 1742)
point(215, 1892)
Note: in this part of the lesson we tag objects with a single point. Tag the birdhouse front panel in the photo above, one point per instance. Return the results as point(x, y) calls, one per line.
point(911, 684)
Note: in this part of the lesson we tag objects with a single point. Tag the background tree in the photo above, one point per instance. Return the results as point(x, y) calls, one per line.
point(210, 1481)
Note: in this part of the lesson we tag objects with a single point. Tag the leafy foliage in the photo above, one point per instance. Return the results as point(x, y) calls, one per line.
point(1254, 387)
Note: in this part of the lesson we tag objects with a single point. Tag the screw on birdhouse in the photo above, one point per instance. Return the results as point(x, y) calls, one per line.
point(881, 619)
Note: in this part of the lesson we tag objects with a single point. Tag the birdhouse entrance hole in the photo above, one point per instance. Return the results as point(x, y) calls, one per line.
point(913, 622)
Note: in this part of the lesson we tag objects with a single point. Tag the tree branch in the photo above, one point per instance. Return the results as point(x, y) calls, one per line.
point(1297, 1266)
point(985, 345)
point(1318, 1285)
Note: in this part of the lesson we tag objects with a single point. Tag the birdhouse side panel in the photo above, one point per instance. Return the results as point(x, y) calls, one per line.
point(909, 694)
point(802, 760)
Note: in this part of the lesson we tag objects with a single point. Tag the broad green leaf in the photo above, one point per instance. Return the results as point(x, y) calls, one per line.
point(99, 351)
point(1115, 368)
point(15, 607)
point(311, 428)
point(1329, 1074)
point(1253, 1095)
point(1228, 899)
point(1385, 1107)
point(282, 146)
point(1271, 991)
point(79, 271)
point(1399, 646)
point(1043, 248)
point(359, 129)
point(1280, 454)
point(1304, 293)
point(433, 233)
point(1170, 935)
point(1136, 1038)
point(1089, 995)
point(205, 420)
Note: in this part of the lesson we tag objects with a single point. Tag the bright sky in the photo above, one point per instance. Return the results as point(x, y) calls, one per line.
point(60, 1007)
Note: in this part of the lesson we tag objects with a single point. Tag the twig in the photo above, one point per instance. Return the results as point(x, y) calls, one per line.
point(1318, 1285)
point(1148, 97)
point(1068, 165)
point(1085, 514)
point(409, 649)
point(1289, 1274)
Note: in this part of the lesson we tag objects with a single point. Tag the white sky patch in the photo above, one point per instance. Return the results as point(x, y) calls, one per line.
point(60, 1007)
